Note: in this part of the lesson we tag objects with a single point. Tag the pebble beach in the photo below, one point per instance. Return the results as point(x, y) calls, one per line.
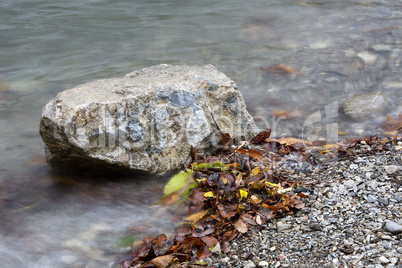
point(352, 218)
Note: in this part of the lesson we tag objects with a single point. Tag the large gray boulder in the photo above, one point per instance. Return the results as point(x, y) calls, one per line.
point(144, 122)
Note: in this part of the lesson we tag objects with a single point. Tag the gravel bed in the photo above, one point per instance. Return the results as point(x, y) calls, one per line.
point(352, 218)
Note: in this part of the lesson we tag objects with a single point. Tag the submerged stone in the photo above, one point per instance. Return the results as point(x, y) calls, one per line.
point(364, 105)
point(145, 122)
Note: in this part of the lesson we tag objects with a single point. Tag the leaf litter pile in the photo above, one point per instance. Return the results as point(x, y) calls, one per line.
point(235, 191)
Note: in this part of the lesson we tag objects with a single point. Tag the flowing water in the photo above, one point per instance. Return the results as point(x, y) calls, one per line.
point(338, 49)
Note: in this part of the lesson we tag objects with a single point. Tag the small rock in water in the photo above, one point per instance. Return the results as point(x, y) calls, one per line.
point(364, 105)
point(393, 227)
point(367, 57)
point(263, 264)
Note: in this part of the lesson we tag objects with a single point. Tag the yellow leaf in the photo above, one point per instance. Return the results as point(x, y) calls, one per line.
point(209, 194)
point(197, 216)
point(224, 180)
point(255, 171)
point(243, 194)
point(272, 184)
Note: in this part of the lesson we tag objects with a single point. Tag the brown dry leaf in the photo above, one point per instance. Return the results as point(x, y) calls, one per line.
point(170, 199)
point(251, 153)
point(230, 235)
point(36, 160)
point(204, 253)
point(281, 69)
point(205, 233)
point(298, 204)
point(3, 85)
point(184, 230)
point(247, 218)
point(138, 229)
point(392, 124)
point(197, 196)
point(197, 216)
point(240, 226)
point(255, 199)
point(261, 137)
point(286, 114)
point(162, 261)
point(159, 241)
point(226, 213)
point(290, 141)
point(209, 241)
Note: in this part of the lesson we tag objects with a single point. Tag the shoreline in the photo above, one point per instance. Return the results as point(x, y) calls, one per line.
point(348, 201)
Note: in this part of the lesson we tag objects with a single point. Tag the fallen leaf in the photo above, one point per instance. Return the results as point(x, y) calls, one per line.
point(290, 141)
point(251, 153)
point(243, 194)
point(162, 261)
point(177, 182)
point(255, 199)
point(204, 253)
point(258, 219)
point(281, 69)
point(170, 199)
point(36, 160)
point(240, 226)
point(209, 194)
point(392, 124)
point(209, 241)
point(255, 171)
point(261, 137)
point(3, 85)
point(197, 216)
point(247, 218)
point(286, 114)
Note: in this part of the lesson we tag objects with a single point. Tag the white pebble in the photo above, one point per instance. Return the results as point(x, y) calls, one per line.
point(383, 260)
point(367, 57)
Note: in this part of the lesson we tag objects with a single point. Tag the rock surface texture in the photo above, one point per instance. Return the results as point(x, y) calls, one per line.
point(364, 105)
point(145, 122)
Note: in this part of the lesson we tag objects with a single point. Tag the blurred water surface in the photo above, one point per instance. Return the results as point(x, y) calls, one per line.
point(338, 48)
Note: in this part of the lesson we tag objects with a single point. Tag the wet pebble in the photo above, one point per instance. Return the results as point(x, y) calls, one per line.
point(364, 105)
point(393, 227)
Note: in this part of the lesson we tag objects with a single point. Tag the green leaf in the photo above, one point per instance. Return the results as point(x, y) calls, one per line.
point(217, 164)
point(178, 182)
point(125, 241)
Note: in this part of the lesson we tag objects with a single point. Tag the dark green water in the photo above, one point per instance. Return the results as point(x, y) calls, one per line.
point(339, 48)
